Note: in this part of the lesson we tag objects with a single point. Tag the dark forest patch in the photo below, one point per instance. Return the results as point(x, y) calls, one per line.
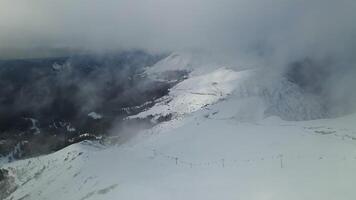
point(47, 104)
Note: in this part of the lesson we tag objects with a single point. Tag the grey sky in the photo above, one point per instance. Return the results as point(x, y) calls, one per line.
point(277, 29)
point(266, 32)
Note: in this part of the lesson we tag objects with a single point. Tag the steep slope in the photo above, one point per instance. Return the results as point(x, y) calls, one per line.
point(209, 83)
point(223, 141)
point(207, 155)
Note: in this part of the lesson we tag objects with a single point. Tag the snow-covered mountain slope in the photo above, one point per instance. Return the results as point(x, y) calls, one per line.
point(173, 62)
point(224, 141)
point(196, 92)
point(207, 155)
point(253, 89)
point(196, 63)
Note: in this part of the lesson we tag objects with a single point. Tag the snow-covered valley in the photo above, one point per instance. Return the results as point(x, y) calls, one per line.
point(230, 134)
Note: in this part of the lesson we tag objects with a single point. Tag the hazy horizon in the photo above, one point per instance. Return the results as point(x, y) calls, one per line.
point(276, 31)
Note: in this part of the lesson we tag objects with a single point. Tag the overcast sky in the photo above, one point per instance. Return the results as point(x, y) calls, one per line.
point(266, 32)
point(274, 29)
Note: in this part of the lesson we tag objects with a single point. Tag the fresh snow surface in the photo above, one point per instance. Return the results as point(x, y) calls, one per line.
point(223, 142)
point(196, 92)
point(193, 62)
point(173, 62)
point(254, 89)
point(206, 155)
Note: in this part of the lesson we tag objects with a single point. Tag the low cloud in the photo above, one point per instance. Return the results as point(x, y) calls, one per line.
point(272, 28)
point(272, 33)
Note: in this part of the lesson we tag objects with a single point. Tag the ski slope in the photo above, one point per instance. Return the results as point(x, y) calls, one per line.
point(224, 144)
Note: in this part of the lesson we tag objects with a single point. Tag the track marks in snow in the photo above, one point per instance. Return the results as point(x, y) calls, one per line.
point(102, 191)
point(342, 134)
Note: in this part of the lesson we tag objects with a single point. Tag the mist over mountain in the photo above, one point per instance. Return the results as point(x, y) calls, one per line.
point(47, 104)
point(157, 99)
point(275, 34)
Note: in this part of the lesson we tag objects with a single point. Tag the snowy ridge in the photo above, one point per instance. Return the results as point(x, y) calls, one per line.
point(196, 92)
point(224, 141)
point(192, 62)
point(174, 62)
point(202, 157)
point(208, 84)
